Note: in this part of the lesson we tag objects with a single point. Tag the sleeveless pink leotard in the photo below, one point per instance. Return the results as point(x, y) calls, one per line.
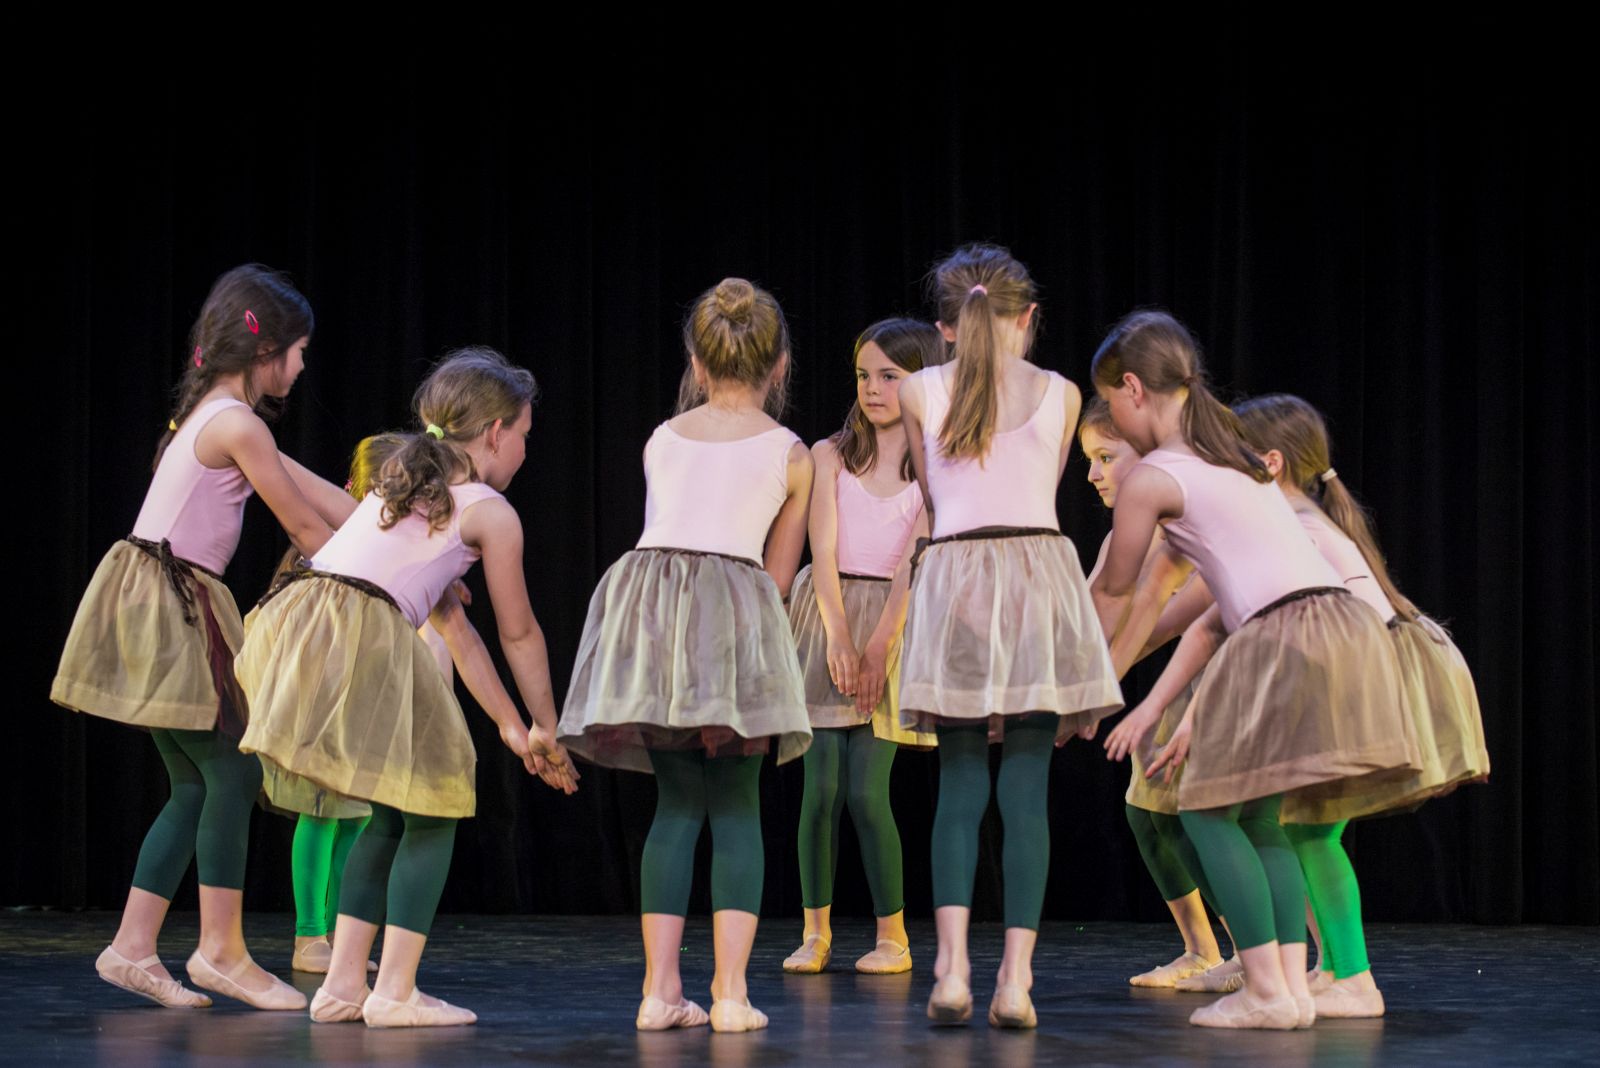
point(409, 561)
point(873, 531)
point(714, 496)
point(1014, 485)
point(1241, 535)
point(198, 509)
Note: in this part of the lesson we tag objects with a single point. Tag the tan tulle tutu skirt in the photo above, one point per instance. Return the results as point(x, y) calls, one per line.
point(346, 699)
point(1002, 626)
point(132, 657)
point(1157, 795)
point(684, 650)
point(864, 600)
point(1305, 692)
point(1442, 704)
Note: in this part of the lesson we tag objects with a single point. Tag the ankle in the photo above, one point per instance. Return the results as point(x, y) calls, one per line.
point(732, 988)
point(134, 949)
point(394, 990)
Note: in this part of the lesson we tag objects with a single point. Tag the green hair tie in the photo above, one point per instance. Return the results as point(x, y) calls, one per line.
point(433, 428)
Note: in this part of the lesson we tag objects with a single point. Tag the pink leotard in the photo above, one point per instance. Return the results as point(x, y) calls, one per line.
point(199, 509)
point(714, 496)
point(1015, 483)
point(411, 563)
point(1242, 536)
point(1345, 558)
point(873, 530)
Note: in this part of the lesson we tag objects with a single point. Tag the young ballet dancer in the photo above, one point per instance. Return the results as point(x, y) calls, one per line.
point(345, 694)
point(687, 667)
point(1291, 437)
point(1000, 629)
point(1151, 805)
point(153, 640)
point(847, 609)
point(1301, 687)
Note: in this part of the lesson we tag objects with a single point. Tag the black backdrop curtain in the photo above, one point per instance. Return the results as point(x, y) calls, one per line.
point(1396, 222)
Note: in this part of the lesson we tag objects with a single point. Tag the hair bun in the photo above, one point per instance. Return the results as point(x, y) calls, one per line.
point(736, 299)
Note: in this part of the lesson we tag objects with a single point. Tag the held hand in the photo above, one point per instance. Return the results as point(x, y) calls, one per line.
point(1173, 754)
point(1131, 731)
point(1089, 730)
point(842, 662)
point(551, 762)
point(871, 675)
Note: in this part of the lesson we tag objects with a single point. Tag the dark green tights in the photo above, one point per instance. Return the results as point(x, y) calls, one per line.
point(1022, 793)
point(321, 845)
point(1169, 855)
point(849, 766)
point(1335, 895)
point(397, 868)
point(214, 788)
point(1252, 870)
point(691, 787)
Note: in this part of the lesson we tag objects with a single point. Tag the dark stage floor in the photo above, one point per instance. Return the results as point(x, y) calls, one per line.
point(563, 992)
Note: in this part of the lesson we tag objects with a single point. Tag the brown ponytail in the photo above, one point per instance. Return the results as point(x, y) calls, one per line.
point(252, 316)
point(1297, 430)
point(1163, 355)
point(974, 288)
point(461, 398)
point(911, 345)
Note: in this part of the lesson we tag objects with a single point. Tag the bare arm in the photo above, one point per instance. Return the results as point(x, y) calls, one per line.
point(492, 527)
point(1164, 573)
point(824, 531)
point(477, 670)
point(787, 537)
point(239, 438)
point(1144, 499)
point(333, 504)
point(1183, 609)
point(875, 656)
point(911, 412)
point(1073, 403)
point(1198, 645)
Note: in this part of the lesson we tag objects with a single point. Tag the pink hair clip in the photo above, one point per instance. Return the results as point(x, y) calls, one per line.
point(197, 355)
point(250, 321)
point(979, 288)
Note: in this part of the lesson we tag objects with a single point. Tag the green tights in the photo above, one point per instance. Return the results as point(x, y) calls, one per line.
point(691, 787)
point(1022, 793)
point(1335, 895)
point(214, 788)
point(397, 868)
point(849, 765)
point(321, 845)
point(1252, 870)
point(1169, 855)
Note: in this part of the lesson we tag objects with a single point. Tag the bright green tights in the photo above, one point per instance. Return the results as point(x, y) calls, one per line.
point(214, 788)
point(692, 787)
point(1252, 869)
point(1022, 793)
point(397, 868)
point(321, 845)
point(1335, 895)
point(849, 766)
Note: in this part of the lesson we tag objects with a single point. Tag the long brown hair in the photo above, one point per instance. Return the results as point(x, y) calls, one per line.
point(911, 345)
point(1097, 417)
point(738, 332)
point(461, 397)
point(974, 288)
point(1297, 430)
point(1163, 354)
point(252, 316)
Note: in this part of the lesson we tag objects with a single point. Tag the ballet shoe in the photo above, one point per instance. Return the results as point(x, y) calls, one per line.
point(1224, 978)
point(1305, 1011)
point(1343, 1002)
point(801, 962)
point(313, 957)
point(888, 957)
point(379, 1011)
point(1012, 1007)
point(131, 976)
point(728, 1015)
point(279, 997)
point(1237, 1010)
point(325, 1008)
point(1166, 977)
point(1319, 980)
point(657, 1015)
point(951, 1001)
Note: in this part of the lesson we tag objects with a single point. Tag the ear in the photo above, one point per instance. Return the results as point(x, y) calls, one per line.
point(946, 332)
point(492, 435)
point(697, 369)
point(1274, 461)
point(1026, 318)
point(1135, 388)
point(780, 368)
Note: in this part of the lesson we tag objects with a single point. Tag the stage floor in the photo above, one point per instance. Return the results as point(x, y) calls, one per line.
point(552, 991)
